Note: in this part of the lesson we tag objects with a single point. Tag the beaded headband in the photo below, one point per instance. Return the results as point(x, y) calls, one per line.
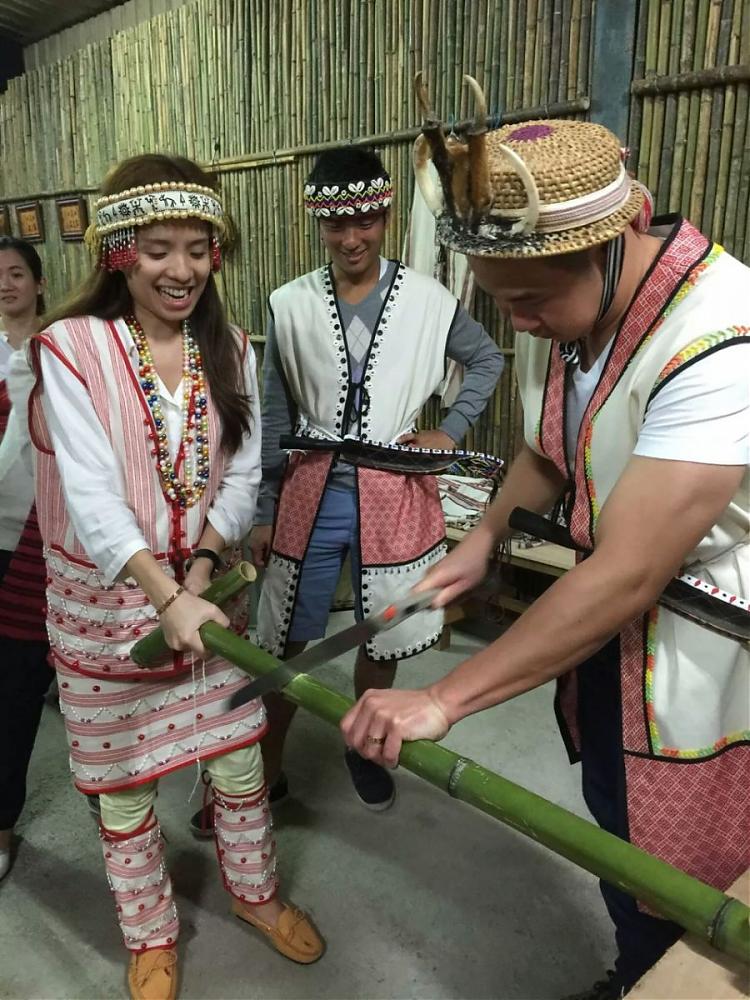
point(112, 235)
point(350, 198)
point(533, 190)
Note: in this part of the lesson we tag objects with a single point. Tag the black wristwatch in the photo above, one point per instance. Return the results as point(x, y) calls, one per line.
point(217, 561)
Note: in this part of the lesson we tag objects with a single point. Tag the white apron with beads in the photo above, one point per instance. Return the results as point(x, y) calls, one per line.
point(402, 531)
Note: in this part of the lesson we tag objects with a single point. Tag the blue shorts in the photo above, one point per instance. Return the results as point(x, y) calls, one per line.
point(335, 532)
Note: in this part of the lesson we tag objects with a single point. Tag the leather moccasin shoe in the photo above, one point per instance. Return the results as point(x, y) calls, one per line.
point(293, 936)
point(152, 974)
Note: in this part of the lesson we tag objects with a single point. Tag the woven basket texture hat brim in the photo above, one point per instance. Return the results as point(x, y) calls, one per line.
point(578, 174)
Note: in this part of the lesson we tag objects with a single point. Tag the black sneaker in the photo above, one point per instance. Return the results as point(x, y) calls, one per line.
point(372, 783)
point(202, 823)
point(603, 989)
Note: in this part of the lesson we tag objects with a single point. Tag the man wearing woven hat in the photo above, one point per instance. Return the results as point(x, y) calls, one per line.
point(632, 359)
point(355, 349)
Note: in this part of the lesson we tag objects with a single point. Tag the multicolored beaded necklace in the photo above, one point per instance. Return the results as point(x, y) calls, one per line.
point(194, 417)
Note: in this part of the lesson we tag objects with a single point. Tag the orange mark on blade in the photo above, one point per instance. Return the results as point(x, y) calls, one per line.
point(390, 613)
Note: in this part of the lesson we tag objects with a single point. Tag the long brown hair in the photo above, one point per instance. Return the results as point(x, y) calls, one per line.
point(105, 294)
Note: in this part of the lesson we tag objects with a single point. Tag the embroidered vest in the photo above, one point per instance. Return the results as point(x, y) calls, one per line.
point(93, 624)
point(405, 363)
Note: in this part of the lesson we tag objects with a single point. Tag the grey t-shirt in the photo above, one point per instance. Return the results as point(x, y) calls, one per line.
point(467, 343)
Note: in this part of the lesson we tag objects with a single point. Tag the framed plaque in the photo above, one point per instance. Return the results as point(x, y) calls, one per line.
point(30, 222)
point(73, 218)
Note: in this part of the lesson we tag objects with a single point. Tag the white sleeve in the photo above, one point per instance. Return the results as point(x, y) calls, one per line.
point(233, 507)
point(15, 449)
point(90, 474)
point(702, 414)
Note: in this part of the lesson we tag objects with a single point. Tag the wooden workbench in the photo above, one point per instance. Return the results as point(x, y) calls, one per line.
point(553, 560)
point(547, 559)
point(693, 970)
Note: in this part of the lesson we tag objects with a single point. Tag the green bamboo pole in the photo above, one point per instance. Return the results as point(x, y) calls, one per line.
point(222, 590)
point(717, 918)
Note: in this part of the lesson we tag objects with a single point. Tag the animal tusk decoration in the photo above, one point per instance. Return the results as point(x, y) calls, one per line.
point(425, 178)
point(462, 165)
point(478, 170)
point(527, 223)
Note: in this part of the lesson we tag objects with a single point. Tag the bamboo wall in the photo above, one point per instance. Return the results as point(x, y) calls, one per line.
point(255, 86)
point(691, 146)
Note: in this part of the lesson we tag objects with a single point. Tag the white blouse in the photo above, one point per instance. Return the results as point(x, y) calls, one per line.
point(92, 478)
point(16, 472)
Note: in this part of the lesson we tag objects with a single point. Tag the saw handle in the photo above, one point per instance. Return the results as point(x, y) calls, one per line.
point(399, 610)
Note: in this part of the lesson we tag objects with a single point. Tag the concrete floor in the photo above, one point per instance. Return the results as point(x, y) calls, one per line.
point(428, 900)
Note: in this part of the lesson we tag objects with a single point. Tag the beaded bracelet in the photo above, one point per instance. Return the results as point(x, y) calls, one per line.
point(160, 610)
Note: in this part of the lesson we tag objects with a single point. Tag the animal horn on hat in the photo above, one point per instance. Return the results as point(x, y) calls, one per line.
point(479, 190)
point(430, 146)
point(527, 223)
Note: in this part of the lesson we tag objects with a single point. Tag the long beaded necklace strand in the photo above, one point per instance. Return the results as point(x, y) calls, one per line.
point(194, 417)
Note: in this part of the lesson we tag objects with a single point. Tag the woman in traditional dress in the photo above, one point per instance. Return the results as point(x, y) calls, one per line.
point(148, 432)
point(25, 674)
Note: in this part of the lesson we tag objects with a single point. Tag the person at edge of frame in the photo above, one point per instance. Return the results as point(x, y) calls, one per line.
point(633, 362)
point(25, 674)
point(146, 421)
point(354, 349)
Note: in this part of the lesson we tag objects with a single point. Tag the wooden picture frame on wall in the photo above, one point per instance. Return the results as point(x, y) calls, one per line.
point(72, 217)
point(5, 229)
point(30, 222)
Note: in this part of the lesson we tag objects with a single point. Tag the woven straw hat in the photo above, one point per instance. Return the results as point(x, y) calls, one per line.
point(537, 189)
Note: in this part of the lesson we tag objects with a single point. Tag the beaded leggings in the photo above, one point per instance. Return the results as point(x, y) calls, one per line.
point(133, 849)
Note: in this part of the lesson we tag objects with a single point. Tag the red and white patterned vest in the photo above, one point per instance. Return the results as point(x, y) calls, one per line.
point(92, 624)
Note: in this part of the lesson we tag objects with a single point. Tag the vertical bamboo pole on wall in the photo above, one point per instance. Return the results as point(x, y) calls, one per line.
point(582, 79)
point(532, 12)
point(659, 100)
point(683, 107)
point(698, 53)
point(562, 84)
point(652, 41)
point(715, 100)
point(536, 83)
point(545, 70)
point(635, 124)
point(704, 115)
point(573, 49)
point(473, 60)
point(492, 59)
point(512, 52)
point(661, 194)
point(520, 54)
point(555, 48)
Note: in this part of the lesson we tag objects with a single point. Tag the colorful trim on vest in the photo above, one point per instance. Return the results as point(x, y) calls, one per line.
point(687, 286)
point(702, 345)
